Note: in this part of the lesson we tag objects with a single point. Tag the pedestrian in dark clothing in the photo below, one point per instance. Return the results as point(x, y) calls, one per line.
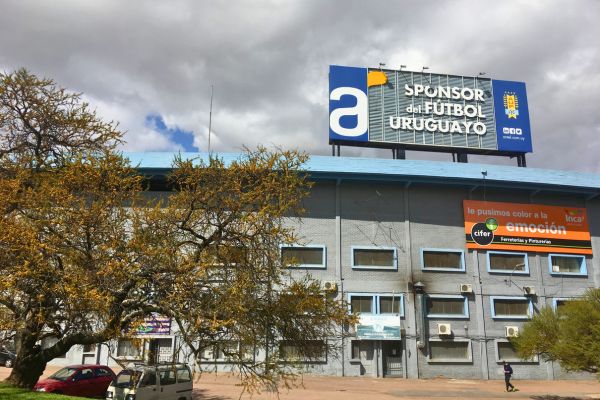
point(508, 371)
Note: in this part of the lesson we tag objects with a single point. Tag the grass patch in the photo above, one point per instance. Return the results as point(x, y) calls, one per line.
point(8, 392)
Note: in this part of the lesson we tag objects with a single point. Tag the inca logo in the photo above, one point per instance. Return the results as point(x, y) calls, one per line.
point(574, 216)
point(348, 101)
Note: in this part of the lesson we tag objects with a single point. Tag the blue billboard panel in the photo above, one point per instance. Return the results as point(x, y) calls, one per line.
point(512, 116)
point(348, 104)
point(418, 110)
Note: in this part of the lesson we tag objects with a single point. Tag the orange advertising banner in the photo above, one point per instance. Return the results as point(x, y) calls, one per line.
point(526, 227)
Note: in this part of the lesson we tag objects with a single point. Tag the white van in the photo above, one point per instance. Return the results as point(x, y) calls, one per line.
point(156, 382)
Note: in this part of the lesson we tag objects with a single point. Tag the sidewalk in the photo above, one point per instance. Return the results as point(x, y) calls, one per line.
point(225, 387)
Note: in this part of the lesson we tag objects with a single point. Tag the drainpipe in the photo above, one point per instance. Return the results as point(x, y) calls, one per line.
point(338, 256)
point(419, 288)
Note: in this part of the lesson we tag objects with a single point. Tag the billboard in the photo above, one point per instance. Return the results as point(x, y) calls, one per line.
point(526, 227)
point(386, 108)
point(378, 327)
point(154, 325)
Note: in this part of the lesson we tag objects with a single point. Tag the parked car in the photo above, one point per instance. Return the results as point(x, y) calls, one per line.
point(156, 382)
point(78, 380)
point(7, 357)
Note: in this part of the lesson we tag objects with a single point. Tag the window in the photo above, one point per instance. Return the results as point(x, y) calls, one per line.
point(450, 351)
point(103, 372)
point(558, 303)
point(443, 260)
point(566, 264)
point(447, 306)
point(311, 256)
point(507, 263)
point(167, 377)
point(389, 304)
point(183, 375)
point(303, 351)
point(381, 304)
point(127, 349)
point(505, 351)
point(374, 258)
point(511, 307)
point(148, 379)
point(89, 348)
point(361, 304)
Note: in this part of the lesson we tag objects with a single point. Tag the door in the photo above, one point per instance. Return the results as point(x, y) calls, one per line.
point(148, 388)
point(365, 355)
point(392, 358)
point(168, 383)
point(160, 351)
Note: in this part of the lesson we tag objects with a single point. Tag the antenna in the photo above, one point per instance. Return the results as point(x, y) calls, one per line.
point(210, 115)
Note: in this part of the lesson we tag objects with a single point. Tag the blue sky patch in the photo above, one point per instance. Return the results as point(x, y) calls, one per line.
point(182, 137)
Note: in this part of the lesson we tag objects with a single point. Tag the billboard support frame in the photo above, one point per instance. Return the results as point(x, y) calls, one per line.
point(459, 155)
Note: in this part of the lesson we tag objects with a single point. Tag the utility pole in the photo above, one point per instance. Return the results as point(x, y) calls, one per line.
point(210, 115)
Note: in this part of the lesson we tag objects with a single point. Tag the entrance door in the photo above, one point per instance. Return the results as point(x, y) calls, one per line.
point(392, 358)
point(161, 351)
point(367, 364)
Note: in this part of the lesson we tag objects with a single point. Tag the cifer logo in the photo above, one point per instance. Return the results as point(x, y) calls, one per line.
point(483, 232)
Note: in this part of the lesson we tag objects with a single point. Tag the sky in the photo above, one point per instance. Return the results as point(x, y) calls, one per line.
point(150, 65)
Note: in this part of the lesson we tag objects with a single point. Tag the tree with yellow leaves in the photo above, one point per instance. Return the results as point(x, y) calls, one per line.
point(84, 256)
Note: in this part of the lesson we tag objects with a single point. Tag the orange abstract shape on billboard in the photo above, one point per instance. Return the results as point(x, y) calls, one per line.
point(376, 78)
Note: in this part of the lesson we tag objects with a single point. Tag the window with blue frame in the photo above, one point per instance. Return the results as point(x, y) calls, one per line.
point(374, 258)
point(567, 264)
point(309, 256)
point(378, 304)
point(502, 262)
point(509, 307)
point(447, 306)
point(451, 260)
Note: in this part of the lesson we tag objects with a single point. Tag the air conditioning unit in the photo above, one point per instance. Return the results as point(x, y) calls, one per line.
point(466, 288)
point(512, 331)
point(529, 290)
point(329, 286)
point(556, 268)
point(444, 329)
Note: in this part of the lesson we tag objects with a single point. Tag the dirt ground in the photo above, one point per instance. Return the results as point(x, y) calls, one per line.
point(225, 387)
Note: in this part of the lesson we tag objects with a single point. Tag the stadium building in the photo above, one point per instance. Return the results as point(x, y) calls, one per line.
point(443, 261)
point(391, 238)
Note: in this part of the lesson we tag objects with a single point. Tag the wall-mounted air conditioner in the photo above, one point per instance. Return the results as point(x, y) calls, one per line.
point(529, 290)
point(329, 286)
point(444, 329)
point(512, 331)
point(466, 288)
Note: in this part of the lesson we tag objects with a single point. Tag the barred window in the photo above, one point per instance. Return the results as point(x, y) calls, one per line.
point(440, 259)
point(303, 257)
point(381, 258)
point(507, 262)
point(446, 306)
point(449, 351)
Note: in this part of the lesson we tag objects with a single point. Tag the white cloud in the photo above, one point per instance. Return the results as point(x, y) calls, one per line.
point(268, 61)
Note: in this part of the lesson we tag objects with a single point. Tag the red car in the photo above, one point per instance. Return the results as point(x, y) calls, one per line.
point(78, 380)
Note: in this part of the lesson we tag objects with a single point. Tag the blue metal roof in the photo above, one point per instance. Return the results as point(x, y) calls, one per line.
point(354, 168)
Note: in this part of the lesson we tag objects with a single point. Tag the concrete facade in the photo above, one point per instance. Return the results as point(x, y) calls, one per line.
point(366, 204)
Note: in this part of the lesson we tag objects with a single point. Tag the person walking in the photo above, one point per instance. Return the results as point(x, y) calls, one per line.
point(508, 371)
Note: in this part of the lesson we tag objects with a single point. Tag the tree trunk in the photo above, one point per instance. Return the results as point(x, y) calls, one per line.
point(28, 368)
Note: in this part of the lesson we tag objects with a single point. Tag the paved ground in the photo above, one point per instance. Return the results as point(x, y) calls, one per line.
point(224, 387)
